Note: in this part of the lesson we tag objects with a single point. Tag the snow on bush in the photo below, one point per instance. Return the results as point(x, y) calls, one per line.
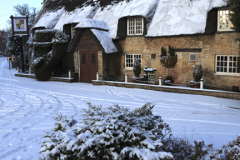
point(108, 133)
point(116, 133)
point(232, 150)
point(48, 46)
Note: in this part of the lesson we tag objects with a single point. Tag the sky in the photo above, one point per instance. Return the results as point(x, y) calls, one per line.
point(6, 9)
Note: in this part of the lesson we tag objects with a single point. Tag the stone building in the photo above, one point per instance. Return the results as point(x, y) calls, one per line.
point(107, 37)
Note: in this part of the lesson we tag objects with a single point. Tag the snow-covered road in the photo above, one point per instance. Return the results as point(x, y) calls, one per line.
point(27, 108)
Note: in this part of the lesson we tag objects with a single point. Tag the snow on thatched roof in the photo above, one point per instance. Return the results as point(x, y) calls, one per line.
point(112, 13)
point(92, 23)
point(75, 16)
point(49, 19)
point(164, 17)
point(176, 17)
point(106, 40)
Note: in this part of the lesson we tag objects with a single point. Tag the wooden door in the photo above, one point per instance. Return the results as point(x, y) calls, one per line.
point(88, 65)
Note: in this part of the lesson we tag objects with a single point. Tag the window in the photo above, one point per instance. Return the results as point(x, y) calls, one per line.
point(135, 26)
point(93, 59)
point(153, 56)
point(83, 58)
point(130, 59)
point(224, 23)
point(226, 64)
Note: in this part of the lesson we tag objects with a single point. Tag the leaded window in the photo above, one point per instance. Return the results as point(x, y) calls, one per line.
point(130, 59)
point(226, 64)
point(135, 26)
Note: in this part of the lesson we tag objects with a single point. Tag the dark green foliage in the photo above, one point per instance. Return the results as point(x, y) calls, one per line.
point(171, 51)
point(48, 55)
point(43, 74)
point(44, 35)
point(235, 14)
point(13, 46)
point(41, 49)
point(197, 72)
point(137, 68)
point(163, 52)
point(108, 133)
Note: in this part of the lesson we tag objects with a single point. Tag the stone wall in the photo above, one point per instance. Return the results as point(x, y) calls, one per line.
point(209, 45)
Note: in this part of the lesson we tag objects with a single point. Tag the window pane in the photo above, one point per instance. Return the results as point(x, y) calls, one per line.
point(234, 64)
point(93, 59)
point(130, 59)
point(83, 58)
point(224, 20)
point(131, 26)
point(139, 25)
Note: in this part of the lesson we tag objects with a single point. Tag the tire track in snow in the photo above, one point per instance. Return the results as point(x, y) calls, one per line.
point(29, 113)
point(202, 121)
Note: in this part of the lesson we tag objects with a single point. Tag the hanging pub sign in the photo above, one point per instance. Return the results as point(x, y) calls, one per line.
point(19, 26)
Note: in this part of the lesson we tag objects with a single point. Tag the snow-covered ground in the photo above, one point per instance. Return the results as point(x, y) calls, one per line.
point(27, 108)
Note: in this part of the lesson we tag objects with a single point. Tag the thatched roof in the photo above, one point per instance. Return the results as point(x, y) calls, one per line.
point(163, 17)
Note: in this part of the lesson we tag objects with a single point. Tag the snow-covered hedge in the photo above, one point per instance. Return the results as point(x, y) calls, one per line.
point(44, 35)
point(49, 47)
point(108, 133)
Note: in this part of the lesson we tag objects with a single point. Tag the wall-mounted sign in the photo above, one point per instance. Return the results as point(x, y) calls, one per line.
point(10, 59)
point(19, 25)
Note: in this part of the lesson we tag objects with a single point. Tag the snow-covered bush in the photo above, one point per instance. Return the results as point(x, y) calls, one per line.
point(113, 133)
point(60, 37)
point(197, 72)
point(137, 68)
point(49, 48)
point(44, 35)
point(232, 150)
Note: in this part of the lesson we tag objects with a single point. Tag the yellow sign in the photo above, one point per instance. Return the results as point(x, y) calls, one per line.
point(11, 59)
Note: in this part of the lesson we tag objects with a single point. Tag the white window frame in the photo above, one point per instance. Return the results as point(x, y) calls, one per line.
point(227, 62)
point(132, 23)
point(133, 60)
point(223, 16)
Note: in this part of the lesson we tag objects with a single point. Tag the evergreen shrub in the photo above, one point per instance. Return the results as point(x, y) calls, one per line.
point(163, 52)
point(45, 35)
point(171, 51)
point(113, 133)
point(116, 133)
point(137, 68)
point(197, 72)
point(232, 150)
point(48, 55)
point(41, 49)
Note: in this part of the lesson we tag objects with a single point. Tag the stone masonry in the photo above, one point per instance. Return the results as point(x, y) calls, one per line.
point(211, 45)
